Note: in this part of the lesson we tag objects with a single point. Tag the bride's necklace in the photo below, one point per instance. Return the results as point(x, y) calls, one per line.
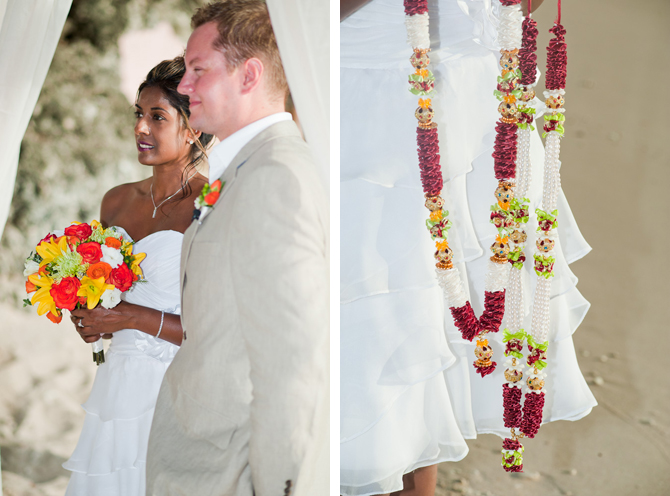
point(151, 191)
point(507, 215)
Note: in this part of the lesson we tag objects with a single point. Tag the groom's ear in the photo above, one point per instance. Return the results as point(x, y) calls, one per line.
point(252, 73)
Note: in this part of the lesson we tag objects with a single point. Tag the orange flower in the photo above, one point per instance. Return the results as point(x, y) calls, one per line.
point(98, 270)
point(112, 243)
point(424, 103)
point(442, 245)
point(436, 215)
point(30, 287)
point(509, 99)
point(55, 318)
point(216, 185)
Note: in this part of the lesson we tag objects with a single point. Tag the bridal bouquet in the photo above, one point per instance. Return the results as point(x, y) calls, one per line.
point(85, 266)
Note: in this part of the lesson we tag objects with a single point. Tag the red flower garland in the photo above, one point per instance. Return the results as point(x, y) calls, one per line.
point(429, 160)
point(532, 413)
point(557, 59)
point(504, 154)
point(512, 406)
point(414, 7)
point(527, 56)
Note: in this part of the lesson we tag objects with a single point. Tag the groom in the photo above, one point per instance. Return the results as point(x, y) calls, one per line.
point(239, 407)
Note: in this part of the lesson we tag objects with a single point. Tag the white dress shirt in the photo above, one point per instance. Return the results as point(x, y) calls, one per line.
point(223, 153)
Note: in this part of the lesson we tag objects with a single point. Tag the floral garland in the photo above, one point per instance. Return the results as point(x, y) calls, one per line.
point(504, 215)
point(529, 420)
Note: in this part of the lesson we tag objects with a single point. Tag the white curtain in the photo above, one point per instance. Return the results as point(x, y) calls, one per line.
point(29, 33)
point(303, 36)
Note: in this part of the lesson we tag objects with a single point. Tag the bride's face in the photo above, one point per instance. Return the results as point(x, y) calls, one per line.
point(159, 134)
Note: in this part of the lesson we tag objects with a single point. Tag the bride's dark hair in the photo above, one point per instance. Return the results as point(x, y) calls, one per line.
point(166, 76)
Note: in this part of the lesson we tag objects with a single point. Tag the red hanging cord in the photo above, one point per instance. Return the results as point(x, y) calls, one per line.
point(529, 6)
point(558, 19)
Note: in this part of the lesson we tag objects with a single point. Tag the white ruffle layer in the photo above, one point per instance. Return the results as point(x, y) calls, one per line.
point(393, 315)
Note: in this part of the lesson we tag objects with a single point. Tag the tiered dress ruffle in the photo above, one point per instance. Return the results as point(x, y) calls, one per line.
point(409, 394)
point(110, 457)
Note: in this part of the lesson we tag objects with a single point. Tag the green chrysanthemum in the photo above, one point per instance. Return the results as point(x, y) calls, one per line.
point(69, 264)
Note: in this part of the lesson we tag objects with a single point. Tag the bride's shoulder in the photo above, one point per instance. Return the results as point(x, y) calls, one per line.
point(122, 196)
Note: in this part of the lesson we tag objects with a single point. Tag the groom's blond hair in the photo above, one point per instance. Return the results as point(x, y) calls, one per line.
point(245, 31)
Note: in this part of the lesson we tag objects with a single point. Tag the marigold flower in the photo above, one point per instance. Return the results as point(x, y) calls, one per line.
point(442, 245)
point(436, 215)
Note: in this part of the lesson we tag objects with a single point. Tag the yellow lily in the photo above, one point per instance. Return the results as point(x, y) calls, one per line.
point(42, 297)
point(135, 264)
point(92, 289)
point(51, 249)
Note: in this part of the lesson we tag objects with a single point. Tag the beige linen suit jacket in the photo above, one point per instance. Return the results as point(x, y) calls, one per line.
point(241, 408)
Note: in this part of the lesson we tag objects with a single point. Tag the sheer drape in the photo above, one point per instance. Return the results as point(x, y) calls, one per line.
point(303, 35)
point(29, 33)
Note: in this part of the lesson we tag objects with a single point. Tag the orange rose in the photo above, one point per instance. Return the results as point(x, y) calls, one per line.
point(112, 242)
point(98, 270)
point(210, 198)
point(55, 318)
point(216, 185)
point(30, 287)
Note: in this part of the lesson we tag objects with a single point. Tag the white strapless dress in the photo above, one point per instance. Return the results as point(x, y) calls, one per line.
point(110, 457)
point(409, 396)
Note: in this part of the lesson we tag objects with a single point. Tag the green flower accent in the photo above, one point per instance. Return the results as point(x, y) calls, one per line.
point(544, 216)
point(520, 335)
point(540, 364)
point(67, 265)
point(516, 205)
point(546, 262)
point(559, 128)
point(508, 336)
point(500, 95)
point(99, 234)
point(518, 457)
point(525, 110)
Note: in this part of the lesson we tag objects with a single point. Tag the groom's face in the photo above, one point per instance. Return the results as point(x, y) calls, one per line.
point(213, 90)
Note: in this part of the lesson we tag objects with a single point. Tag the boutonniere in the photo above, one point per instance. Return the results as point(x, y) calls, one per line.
point(208, 197)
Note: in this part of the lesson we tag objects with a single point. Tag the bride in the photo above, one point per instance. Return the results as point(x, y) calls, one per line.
point(145, 329)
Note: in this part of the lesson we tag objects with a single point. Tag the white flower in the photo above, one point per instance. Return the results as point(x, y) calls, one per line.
point(30, 267)
point(110, 298)
point(112, 256)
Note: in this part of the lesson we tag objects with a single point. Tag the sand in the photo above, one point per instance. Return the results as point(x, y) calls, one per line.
point(46, 372)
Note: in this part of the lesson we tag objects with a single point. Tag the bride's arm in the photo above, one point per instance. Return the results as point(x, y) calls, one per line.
point(101, 320)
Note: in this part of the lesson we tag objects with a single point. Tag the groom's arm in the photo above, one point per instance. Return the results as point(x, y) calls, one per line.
point(280, 273)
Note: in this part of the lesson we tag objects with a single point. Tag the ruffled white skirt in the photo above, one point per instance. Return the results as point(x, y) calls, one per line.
point(409, 394)
point(110, 457)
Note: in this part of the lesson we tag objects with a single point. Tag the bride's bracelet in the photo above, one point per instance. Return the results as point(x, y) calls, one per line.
point(161, 326)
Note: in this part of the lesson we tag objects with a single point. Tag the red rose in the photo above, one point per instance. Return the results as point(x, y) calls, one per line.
point(65, 293)
point(90, 252)
point(81, 231)
point(121, 278)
